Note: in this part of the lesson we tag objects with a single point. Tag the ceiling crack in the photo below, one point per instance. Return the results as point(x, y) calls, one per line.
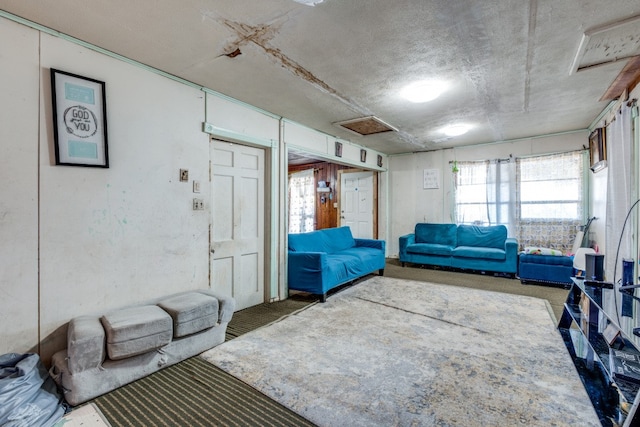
point(260, 36)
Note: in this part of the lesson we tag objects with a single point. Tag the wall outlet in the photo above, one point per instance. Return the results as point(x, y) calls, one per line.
point(198, 204)
point(184, 175)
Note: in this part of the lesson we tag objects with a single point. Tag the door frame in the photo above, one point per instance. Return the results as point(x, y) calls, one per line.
point(375, 195)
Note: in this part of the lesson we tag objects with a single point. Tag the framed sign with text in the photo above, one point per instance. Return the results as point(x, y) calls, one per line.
point(80, 120)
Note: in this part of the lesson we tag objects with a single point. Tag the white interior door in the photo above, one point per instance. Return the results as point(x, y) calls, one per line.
point(356, 203)
point(237, 232)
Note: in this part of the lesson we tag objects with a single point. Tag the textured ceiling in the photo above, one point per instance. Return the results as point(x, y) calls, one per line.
point(508, 62)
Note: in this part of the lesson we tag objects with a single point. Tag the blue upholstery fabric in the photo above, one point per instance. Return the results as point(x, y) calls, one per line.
point(444, 234)
point(478, 252)
point(546, 259)
point(464, 246)
point(545, 269)
point(483, 237)
point(329, 240)
point(323, 259)
point(430, 249)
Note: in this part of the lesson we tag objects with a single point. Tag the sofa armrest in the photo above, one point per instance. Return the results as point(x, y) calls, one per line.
point(406, 240)
point(226, 305)
point(370, 243)
point(85, 343)
point(511, 247)
point(307, 261)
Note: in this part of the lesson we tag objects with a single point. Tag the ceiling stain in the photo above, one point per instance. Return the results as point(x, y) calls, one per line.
point(260, 36)
point(234, 53)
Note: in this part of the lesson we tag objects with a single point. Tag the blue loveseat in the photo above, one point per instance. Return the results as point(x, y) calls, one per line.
point(323, 259)
point(461, 246)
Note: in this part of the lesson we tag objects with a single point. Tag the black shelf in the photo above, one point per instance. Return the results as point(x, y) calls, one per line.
point(582, 335)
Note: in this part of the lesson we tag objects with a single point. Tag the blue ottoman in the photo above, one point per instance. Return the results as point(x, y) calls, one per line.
point(545, 269)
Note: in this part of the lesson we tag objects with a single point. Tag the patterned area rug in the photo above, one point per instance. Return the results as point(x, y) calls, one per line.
point(395, 352)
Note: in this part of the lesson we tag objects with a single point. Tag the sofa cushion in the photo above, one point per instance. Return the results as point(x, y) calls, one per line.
point(191, 312)
point(429, 249)
point(329, 240)
point(546, 259)
point(136, 330)
point(479, 253)
point(486, 237)
point(443, 234)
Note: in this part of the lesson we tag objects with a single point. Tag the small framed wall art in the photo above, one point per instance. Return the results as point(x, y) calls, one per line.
point(379, 160)
point(79, 120)
point(363, 156)
point(597, 150)
point(338, 149)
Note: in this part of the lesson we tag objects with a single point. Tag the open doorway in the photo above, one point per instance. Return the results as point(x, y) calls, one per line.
point(326, 190)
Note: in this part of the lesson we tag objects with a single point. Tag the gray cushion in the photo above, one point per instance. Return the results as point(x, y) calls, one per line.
point(191, 312)
point(136, 330)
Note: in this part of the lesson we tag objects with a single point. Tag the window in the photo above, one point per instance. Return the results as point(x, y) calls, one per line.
point(539, 199)
point(302, 198)
point(550, 199)
point(483, 194)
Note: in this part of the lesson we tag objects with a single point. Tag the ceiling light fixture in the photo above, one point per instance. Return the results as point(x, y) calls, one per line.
point(456, 130)
point(424, 91)
point(309, 2)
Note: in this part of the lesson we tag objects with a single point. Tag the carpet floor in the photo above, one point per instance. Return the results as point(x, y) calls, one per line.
point(392, 352)
point(555, 295)
point(196, 393)
point(132, 405)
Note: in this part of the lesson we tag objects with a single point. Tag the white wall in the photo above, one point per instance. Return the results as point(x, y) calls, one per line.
point(598, 207)
point(106, 237)
point(410, 203)
point(19, 74)
point(78, 240)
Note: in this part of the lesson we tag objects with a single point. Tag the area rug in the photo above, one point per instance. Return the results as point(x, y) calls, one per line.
point(401, 353)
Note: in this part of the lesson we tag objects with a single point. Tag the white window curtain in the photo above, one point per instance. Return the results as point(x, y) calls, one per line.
point(483, 193)
point(301, 201)
point(619, 140)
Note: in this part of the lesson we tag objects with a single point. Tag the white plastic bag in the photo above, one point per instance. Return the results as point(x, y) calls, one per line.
point(28, 395)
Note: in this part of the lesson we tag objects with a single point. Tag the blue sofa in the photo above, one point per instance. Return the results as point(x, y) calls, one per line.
point(323, 259)
point(467, 247)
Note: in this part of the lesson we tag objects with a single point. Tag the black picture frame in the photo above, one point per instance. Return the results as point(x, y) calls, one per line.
point(379, 161)
point(363, 155)
point(597, 150)
point(79, 120)
point(338, 149)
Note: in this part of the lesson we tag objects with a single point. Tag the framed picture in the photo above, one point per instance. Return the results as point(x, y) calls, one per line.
point(363, 156)
point(79, 120)
point(597, 150)
point(338, 149)
point(379, 160)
